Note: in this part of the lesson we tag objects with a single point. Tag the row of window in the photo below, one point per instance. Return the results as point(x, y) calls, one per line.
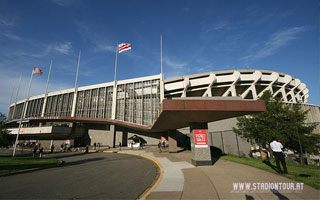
point(136, 102)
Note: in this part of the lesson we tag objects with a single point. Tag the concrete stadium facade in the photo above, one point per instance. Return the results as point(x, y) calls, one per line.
point(138, 103)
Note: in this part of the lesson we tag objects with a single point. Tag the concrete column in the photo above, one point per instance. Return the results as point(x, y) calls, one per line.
point(113, 133)
point(74, 102)
point(172, 139)
point(200, 147)
point(24, 108)
point(44, 105)
point(114, 101)
point(161, 89)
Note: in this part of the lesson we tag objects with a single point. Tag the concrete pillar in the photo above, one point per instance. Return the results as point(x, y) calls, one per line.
point(200, 147)
point(114, 101)
point(113, 133)
point(172, 139)
point(74, 102)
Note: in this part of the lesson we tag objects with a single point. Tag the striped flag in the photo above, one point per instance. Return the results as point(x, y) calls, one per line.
point(37, 70)
point(124, 47)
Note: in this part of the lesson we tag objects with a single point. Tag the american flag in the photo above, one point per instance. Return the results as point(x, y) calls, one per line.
point(37, 70)
point(124, 47)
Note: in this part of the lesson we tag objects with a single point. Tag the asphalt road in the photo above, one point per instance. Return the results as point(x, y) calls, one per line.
point(88, 176)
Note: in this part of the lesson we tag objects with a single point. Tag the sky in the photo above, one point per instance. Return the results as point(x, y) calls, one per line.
point(198, 36)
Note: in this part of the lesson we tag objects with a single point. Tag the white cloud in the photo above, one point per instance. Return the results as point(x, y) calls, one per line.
point(277, 41)
point(98, 47)
point(97, 41)
point(173, 63)
point(6, 21)
point(219, 26)
point(63, 3)
point(174, 67)
point(63, 48)
point(11, 36)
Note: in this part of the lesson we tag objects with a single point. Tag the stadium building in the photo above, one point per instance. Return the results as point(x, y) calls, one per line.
point(151, 107)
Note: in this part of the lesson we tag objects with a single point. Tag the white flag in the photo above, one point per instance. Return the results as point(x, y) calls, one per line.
point(124, 47)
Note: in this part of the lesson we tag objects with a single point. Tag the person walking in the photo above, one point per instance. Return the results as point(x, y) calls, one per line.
point(35, 148)
point(120, 146)
point(51, 148)
point(87, 149)
point(278, 154)
point(159, 146)
point(40, 152)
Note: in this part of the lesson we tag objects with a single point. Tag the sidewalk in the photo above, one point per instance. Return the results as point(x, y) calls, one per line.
point(181, 180)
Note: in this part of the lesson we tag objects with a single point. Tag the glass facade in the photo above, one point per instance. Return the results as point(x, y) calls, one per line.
point(94, 103)
point(15, 111)
point(136, 102)
point(34, 107)
point(59, 105)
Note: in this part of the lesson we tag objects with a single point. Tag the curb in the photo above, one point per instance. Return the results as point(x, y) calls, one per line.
point(155, 183)
point(60, 163)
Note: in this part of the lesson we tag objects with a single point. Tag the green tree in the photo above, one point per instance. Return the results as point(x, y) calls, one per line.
point(284, 122)
point(5, 138)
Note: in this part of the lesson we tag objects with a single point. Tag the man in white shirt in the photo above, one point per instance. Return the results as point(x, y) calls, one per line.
point(278, 155)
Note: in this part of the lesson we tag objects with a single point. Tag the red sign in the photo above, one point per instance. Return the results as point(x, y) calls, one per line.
point(200, 138)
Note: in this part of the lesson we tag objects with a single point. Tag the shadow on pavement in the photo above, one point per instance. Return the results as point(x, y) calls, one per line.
point(279, 195)
point(106, 159)
point(64, 155)
point(78, 162)
point(249, 197)
point(216, 153)
point(272, 166)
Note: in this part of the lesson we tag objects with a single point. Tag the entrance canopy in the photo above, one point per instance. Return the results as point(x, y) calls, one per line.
point(178, 113)
point(181, 112)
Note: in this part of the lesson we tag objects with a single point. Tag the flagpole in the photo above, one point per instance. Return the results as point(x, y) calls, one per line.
point(114, 96)
point(161, 69)
point(46, 91)
point(48, 78)
point(78, 66)
point(116, 65)
point(162, 75)
point(17, 93)
point(76, 87)
point(22, 114)
point(13, 87)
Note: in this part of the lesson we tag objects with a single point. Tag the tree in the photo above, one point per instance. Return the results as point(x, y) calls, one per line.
point(5, 138)
point(284, 122)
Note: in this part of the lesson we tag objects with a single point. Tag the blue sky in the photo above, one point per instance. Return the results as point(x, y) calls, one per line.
point(198, 36)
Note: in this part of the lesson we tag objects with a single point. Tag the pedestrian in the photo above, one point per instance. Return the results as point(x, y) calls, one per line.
point(51, 148)
point(119, 146)
point(159, 146)
point(132, 145)
point(40, 152)
point(278, 154)
point(164, 144)
point(35, 148)
point(94, 146)
point(87, 149)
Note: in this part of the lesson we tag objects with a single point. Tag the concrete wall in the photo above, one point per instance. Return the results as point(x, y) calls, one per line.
point(105, 137)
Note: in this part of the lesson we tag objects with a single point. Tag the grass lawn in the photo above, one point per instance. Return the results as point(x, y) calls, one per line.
point(307, 174)
point(9, 165)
